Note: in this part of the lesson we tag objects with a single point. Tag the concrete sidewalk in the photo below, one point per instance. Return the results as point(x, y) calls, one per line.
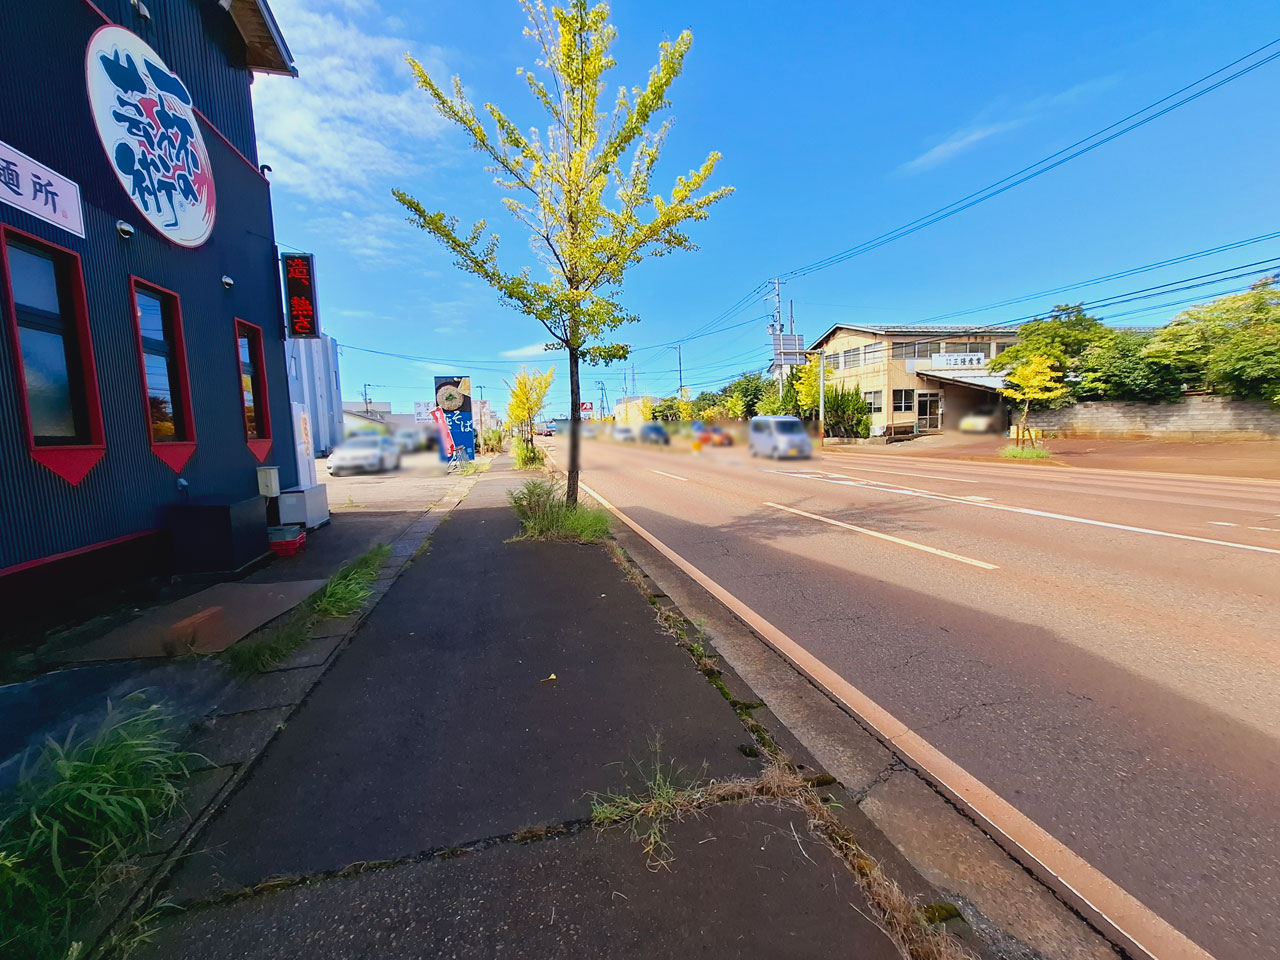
point(430, 796)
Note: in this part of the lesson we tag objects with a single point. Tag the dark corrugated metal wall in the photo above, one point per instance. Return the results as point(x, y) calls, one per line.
point(44, 112)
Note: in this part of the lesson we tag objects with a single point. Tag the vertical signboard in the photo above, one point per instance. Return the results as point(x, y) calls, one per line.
point(300, 296)
point(453, 399)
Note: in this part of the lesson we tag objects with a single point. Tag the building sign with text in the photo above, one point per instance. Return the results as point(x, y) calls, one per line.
point(300, 295)
point(39, 191)
point(953, 360)
point(148, 128)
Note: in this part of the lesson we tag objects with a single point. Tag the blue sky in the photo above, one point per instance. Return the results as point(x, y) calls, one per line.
point(837, 121)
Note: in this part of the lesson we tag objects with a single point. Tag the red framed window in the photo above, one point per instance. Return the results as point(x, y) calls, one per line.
point(57, 382)
point(253, 388)
point(166, 383)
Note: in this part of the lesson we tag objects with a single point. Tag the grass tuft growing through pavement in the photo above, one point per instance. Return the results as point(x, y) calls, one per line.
point(529, 457)
point(77, 821)
point(544, 515)
point(342, 595)
point(472, 467)
point(1015, 452)
point(351, 586)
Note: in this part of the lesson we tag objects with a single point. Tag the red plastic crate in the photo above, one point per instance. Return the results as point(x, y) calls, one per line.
point(287, 548)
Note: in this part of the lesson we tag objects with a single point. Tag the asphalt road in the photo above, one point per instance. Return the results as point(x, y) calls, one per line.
point(1101, 648)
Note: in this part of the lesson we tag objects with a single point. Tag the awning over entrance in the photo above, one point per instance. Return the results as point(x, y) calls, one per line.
point(991, 382)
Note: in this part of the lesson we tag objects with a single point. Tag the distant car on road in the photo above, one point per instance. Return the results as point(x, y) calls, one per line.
point(654, 433)
point(549, 430)
point(779, 437)
point(408, 439)
point(364, 454)
point(982, 420)
point(624, 435)
point(713, 436)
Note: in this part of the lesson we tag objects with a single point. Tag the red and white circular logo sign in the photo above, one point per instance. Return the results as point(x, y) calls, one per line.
point(148, 128)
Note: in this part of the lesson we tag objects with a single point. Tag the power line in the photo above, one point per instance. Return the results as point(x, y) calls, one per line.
point(1034, 170)
point(1132, 271)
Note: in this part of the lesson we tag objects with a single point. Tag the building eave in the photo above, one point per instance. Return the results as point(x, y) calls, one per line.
point(265, 49)
point(909, 331)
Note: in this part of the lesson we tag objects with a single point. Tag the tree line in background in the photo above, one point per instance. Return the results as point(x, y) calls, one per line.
point(1229, 346)
point(755, 394)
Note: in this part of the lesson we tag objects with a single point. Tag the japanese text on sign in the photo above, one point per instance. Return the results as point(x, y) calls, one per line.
point(300, 295)
point(39, 191)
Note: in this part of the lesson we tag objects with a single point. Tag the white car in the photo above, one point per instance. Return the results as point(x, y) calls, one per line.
point(364, 454)
point(408, 439)
point(624, 435)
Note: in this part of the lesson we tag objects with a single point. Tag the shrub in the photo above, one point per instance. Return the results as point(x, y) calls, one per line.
point(529, 456)
point(544, 515)
point(1014, 452)
point(70, 828)
point(491, 440)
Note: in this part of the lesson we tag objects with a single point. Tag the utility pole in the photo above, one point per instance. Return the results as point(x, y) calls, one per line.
point(366, 399)
point(791, 310)
point(680, 368)
point(777, 303)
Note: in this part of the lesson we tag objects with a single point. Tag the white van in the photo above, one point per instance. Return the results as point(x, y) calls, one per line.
point(778, 437)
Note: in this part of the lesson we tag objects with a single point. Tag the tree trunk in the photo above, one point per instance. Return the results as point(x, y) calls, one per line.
point(575, 422)
point(1022, 429)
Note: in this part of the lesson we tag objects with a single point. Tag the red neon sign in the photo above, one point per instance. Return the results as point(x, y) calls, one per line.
point(300, 295)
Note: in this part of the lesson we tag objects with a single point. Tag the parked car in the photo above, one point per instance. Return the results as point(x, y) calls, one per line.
point(713, 436)
point(549, 430)
point(982, 420)
point(408, 439)
point(779, 437)
point(624, 435)
point(364, 454)
point(655, 433)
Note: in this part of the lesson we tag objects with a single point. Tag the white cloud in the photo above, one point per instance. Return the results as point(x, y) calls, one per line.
point(958, 142)
point(352, 121)
point(531, 352)
point(983, 128)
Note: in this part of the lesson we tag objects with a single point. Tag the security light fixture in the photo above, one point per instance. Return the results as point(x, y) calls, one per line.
point(227, 282)
point(141, 7)
point(124, 228)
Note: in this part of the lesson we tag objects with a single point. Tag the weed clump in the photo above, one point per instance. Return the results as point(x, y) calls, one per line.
point(1015, 452)
point(544, 515)
point(529, 456)
point(75, 823)
point(341, 596)
point(351, 586)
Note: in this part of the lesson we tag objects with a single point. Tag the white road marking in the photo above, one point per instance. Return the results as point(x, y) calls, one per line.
point(671, 475)
point(1027, 511)
point(1268, 529)
point(1222, 523)
point(884, 536)
point(1127, 920)
point(926, 476)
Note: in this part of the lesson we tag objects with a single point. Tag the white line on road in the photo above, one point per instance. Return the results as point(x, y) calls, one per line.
point(884, 536)
point(927, 476)
point(1126, 919)
point(1222, 523)
point(671, 475)
point(1040, 513)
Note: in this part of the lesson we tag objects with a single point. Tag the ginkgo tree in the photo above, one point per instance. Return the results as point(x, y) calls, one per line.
point(1034, 380)
point(582, 187)
point(528, 398)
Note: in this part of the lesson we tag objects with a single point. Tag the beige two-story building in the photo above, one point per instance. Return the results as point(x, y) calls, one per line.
point(916, 379)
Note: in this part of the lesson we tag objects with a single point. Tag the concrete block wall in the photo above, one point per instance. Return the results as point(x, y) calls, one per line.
point(1189, 418)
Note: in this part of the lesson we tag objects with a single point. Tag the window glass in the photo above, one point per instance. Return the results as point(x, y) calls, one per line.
point(873, 353)
point(150, 317)
point(788, 426)
point(49, 395)
point(903, 401)
point(875, 400)
point(160, 369)
point(851, 357)
point(34, 279)
point(249, 345)
point(50, 361)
